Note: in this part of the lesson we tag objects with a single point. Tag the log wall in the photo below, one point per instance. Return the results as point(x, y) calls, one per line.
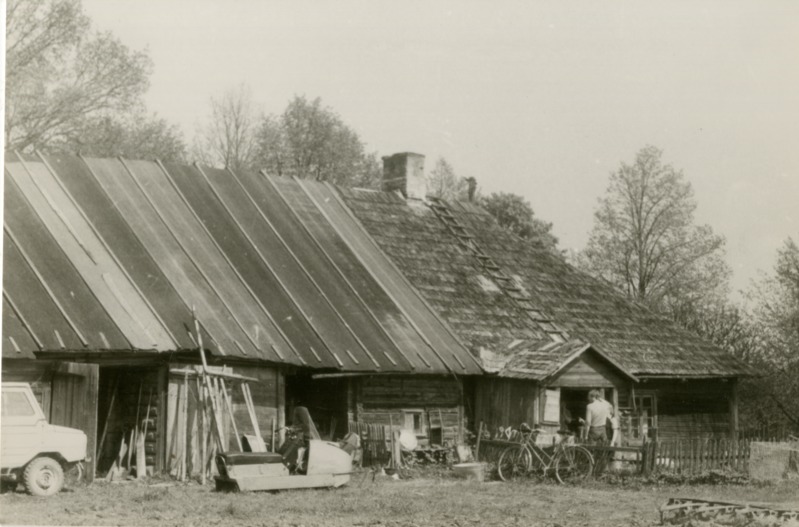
point(505, 402)
point(387, 400)
point(692, 409)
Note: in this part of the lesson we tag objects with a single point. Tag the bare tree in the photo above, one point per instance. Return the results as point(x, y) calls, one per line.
point(309, 140)
point(228, 139)
point(645, 242)
point(61, 75)
point(442, 182)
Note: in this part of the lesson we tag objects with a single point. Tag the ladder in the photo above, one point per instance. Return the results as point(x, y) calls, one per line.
point(507, 284)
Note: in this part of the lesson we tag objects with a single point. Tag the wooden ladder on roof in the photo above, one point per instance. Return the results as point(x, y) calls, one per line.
point(507, 284)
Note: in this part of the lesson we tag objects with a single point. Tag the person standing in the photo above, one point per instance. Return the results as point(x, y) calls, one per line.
point(597, 414)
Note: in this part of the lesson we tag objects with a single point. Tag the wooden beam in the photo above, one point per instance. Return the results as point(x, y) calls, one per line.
point(734, 410)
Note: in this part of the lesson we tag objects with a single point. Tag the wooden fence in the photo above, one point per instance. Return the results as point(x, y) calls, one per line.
point(688, 456)
point(693, 456)
point(374, 442)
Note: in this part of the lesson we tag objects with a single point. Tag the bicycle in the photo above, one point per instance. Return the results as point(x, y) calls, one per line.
point(570, 463)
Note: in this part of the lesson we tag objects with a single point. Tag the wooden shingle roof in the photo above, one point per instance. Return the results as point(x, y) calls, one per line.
point(629, 334)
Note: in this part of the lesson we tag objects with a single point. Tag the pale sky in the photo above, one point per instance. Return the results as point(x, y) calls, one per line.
point(543, 99)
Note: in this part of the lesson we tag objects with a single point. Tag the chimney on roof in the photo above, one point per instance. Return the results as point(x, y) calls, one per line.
point(472, 187)
point(405, 172)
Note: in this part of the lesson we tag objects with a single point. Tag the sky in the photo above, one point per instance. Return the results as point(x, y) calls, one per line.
point(543, 99)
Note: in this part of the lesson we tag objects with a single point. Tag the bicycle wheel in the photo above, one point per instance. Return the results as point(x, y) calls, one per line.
point(538, 465)
point(513, 463)
point(573, 465)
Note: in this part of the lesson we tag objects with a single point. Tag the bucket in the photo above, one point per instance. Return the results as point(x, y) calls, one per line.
point(469, 471)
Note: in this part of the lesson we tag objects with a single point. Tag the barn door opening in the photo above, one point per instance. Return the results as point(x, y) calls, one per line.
point(131, 402)
point(326, 400)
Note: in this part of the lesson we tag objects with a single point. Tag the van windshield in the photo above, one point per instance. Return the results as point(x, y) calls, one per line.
point(16, 404)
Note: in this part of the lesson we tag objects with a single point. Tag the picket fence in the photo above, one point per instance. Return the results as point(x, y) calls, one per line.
point(693, 456)
point(686, 456)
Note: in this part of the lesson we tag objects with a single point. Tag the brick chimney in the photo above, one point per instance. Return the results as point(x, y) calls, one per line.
point(405, 172)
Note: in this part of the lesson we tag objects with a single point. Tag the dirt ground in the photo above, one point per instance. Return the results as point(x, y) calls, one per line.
point(435, 500)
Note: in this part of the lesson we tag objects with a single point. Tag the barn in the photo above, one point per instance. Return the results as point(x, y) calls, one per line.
point(111, 265)
point(387, 307)
point(544, 332)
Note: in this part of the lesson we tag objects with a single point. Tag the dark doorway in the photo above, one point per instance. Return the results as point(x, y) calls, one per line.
point(326, 400)
point(573, 402)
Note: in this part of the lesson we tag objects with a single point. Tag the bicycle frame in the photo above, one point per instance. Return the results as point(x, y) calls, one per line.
point(568, 462)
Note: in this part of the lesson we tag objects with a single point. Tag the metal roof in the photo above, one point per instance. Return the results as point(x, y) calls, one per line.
point(113, 255)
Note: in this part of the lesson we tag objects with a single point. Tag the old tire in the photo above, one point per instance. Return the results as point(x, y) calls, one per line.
point(43, 476)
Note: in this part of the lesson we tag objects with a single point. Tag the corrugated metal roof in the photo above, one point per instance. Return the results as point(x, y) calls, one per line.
point(17, 341)
point(442, 347)
point(110, 254)
point(132, 256)
point(95, 265)
point(168, 254)
point(62, 282)
point(28, 296)
point(339, 320)
point(289, 303)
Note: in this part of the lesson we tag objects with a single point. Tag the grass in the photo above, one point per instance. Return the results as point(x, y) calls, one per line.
point(435, 499)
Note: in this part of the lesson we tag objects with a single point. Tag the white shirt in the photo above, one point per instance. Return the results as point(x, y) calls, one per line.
point(597, 413)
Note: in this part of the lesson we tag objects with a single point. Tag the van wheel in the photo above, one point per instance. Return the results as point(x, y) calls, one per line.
point(43, 476)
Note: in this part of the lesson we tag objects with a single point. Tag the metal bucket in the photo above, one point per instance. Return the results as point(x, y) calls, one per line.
point(473, 471)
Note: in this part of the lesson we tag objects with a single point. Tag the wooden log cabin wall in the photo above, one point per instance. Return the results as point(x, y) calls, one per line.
point(505, 402)
point(687, 408)
point(431, 406)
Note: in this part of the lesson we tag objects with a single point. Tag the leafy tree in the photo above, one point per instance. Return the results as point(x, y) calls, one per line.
point(61, 75)
point(515, 214)
point(774, 397)
point(644, 239)
point(137, 136)
point(776, 300)
point(228, 139)
point(309, 140)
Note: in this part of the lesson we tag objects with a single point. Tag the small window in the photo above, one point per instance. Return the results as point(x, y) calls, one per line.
point(644, 418)
point(552, 405)
point(16, 404)
point(414, 420)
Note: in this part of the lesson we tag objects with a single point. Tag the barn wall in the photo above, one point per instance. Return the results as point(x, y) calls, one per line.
point(691, 408)
point(435, 403)
point(505, 402)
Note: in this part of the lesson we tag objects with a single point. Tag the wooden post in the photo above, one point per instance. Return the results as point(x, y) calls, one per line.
point(229, 406)
point(477, 446)
point(184, 421)
point(108, 416)
point(734, 410)
point(202, 440)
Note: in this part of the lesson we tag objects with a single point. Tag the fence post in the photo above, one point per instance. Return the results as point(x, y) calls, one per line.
point(477, 446)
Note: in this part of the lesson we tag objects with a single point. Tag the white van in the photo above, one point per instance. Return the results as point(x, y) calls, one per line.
point(31, 450)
